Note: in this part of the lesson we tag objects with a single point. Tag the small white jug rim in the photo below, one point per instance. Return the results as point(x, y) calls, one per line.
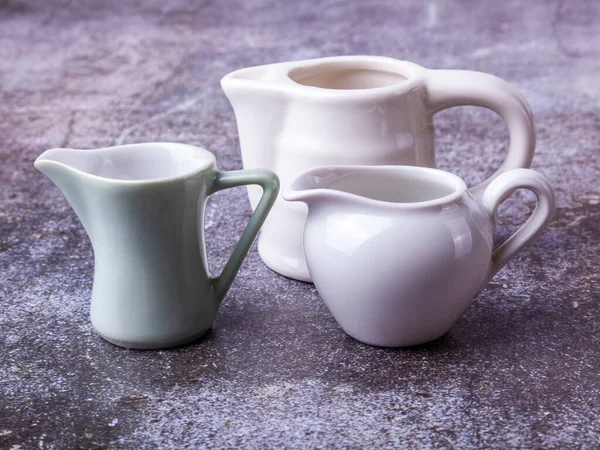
point(456, 187)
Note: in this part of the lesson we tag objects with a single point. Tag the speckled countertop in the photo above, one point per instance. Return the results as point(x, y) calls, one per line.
point(521, 368)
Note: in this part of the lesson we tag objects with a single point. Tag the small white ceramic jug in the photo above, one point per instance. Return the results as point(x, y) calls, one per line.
point(398, 252)
point(142, 206)
point(353, 110)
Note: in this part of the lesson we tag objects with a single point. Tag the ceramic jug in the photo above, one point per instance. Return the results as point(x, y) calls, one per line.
point(142, 207)
point(353, 110)
point(398, 252)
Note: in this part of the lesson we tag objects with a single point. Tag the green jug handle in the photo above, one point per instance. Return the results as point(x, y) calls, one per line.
point(270, 185)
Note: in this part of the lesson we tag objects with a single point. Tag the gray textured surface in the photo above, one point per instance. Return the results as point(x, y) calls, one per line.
point(521, 368)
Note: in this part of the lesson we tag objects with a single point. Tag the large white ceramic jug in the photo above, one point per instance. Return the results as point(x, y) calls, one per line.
point(353, 110)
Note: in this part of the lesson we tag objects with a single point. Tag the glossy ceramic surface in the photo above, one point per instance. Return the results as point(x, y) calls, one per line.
point(353, 110)
point(397, 252)
point(142, 206)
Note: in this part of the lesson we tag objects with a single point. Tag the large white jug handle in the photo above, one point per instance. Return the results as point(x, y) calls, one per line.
point(448, 88)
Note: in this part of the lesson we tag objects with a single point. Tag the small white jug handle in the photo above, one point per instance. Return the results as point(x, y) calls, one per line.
point(449, 88)
point(498, 191)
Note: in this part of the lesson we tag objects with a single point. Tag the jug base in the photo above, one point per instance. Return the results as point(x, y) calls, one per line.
point(155, 345)
point(395, 341)
point(287, 266)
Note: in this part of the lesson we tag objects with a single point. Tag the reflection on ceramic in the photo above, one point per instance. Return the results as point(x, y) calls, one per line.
point(398, 252)
point(142, 206)
point(353, 110)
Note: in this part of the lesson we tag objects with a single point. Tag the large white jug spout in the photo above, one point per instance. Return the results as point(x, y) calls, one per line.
point(259, 101)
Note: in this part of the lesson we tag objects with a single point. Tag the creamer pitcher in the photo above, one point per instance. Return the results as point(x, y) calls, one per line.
point(353, 110)
point(398, 252)
point(142, 206)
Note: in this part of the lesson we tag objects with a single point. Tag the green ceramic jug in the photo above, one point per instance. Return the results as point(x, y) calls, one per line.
point(142, 206)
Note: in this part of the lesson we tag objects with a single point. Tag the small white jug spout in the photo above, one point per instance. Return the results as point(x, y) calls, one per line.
point(311, 186)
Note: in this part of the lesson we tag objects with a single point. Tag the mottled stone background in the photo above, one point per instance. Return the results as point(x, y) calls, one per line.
point(521, 368)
